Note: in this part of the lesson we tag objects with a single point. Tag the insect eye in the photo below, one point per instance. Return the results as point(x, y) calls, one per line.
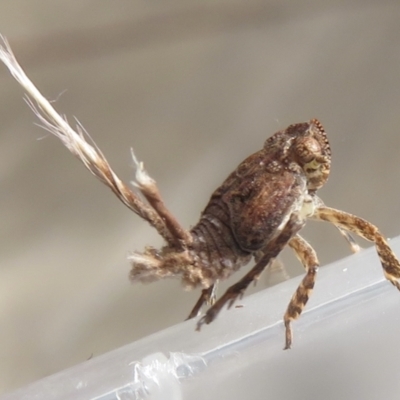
point(306, 150)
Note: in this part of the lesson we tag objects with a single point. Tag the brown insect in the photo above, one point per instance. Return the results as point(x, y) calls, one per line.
point(254, 214)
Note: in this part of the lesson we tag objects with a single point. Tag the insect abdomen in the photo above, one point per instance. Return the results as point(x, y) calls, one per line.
point(214, 242)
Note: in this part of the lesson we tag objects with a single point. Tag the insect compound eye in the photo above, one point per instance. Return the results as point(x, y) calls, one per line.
point(306, 150)
point(311, 151)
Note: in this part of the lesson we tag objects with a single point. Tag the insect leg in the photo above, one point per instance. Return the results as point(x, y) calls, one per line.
point(207, 296)
point(368, 231)
point(149, 189)
point(307, 256)
point(347, 236)
point(270, 251)
point(234, 292)
point(355, 248)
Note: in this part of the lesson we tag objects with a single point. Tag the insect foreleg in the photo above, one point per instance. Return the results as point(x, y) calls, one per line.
point(368, 231)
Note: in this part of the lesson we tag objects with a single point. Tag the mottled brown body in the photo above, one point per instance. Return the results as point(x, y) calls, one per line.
point(255, 213)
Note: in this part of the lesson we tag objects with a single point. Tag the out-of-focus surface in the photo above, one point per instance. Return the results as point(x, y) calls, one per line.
point(194, 88)
point(342, 349)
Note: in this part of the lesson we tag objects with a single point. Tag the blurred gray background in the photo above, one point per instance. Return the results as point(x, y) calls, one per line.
point(194, 88)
